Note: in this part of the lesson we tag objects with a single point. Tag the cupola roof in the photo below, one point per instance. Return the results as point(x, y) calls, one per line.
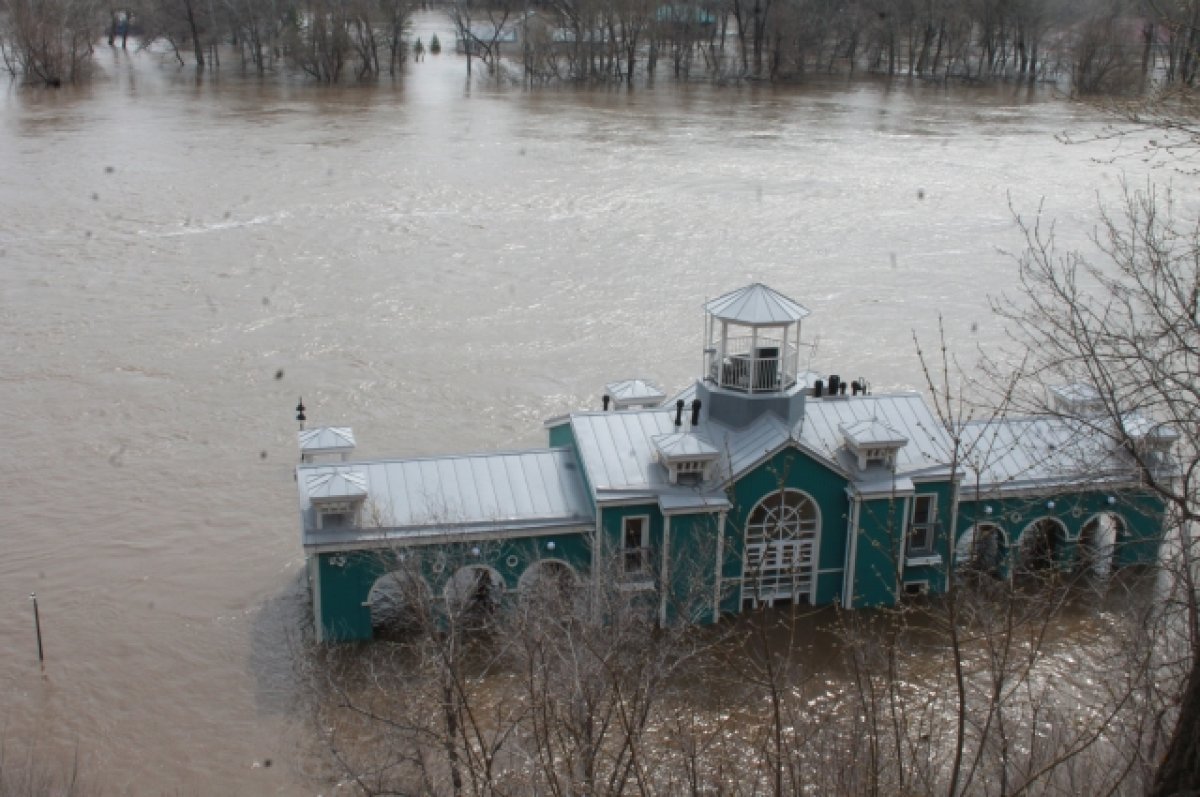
point(756, 305)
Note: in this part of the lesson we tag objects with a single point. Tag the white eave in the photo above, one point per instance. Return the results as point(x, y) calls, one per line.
point(756, 305)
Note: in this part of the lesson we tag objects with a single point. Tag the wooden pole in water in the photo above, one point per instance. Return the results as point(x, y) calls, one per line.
point(37, 624)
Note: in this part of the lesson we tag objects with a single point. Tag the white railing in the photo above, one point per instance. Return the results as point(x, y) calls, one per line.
point(755, 365)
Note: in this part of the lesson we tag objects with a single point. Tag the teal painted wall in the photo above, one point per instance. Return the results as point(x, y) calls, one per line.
point(345, 588)
point(561, 435)
point(1140, 511)
point(944, 537)
point(877, 567)
point(692, 559)
point(612, 528)
point(789, 468)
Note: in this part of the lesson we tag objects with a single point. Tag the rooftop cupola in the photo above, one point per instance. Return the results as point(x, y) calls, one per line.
point(326, 444)
point(633, 394)
point(753, 340)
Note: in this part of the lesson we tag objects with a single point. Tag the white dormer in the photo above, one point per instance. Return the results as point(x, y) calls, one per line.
point(873, 443)
point(688, 457)
point(633, 394)
point(1151, 440)
point(1076, 400)
point(337, 497)
point(326, 443)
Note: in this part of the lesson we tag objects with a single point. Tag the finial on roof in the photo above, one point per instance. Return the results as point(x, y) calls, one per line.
point(300, 416)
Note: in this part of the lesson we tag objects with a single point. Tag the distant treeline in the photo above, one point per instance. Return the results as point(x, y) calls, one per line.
point(1099, 45)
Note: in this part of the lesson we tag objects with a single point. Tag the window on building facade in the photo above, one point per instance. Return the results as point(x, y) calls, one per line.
point(635, 544)
point(787, 515)
point(922, 524)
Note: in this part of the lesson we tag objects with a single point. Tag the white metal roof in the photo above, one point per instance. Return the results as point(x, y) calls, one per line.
point(326, 439)
point(616, 448)
point(497, 491)
point(633, 390)
point(1139, 427)
point(1021, 453)
point(872, 432)
point(756, 305)
point(742, 449)
point(683, 445)
point(928, 446)
point(1076, 391)
point(618, 451)
point(341, 484)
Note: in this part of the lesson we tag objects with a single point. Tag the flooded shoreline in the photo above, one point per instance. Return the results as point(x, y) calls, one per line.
point(441, 265)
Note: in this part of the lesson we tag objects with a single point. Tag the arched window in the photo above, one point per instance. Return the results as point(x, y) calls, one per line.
point(785, 515)
point(781, 539)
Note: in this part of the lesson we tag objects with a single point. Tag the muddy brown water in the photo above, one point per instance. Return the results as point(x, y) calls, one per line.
point(441, 264)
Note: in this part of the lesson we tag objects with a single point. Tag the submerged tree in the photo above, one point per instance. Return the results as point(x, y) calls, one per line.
point(49, 42)
point(1126, 323)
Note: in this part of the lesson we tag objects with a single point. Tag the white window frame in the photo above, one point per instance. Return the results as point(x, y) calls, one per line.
point(346, 509)
point(642, 550)
point(929, 527)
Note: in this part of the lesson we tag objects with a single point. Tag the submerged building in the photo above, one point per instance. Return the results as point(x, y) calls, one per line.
point(759, 484)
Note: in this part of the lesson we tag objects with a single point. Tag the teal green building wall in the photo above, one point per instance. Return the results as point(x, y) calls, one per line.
point(936, 575)
point(691, 567)
point(1141, 513)
point(344, 580)
point(877, 547)
point(793, 469)
point(611, 537)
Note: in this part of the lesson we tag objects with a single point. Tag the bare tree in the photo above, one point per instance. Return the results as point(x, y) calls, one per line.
point(1126, 321)
point(49, 41)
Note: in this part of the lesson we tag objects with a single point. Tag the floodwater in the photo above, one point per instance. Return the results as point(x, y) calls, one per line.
point(440, 264)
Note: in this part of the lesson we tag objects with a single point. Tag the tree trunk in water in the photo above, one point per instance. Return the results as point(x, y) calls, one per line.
point(196, 44)
point(1179, 772)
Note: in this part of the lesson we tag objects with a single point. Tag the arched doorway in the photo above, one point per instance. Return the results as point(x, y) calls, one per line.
point(781, 541)
point(981, 549)
point(399, 603)
point(1040, 546)
point(1098, 543)
point(473, 595)
point(550, 585)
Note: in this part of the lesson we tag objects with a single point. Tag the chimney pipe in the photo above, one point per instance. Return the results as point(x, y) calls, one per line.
point(695, 412)
point(606, 399)
point(818, 388)
point(679, 413)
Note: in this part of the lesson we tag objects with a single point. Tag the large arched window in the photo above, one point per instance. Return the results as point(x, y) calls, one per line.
point(785, 515)
point(781, 540)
